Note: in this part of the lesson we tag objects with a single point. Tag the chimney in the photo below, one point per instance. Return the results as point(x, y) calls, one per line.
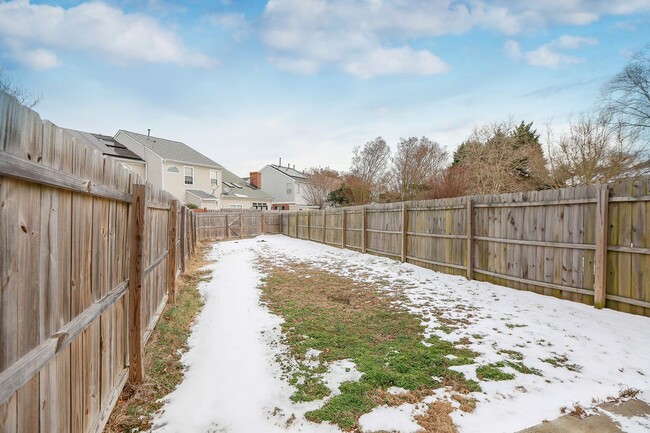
point(294, 166)
point(255, 179)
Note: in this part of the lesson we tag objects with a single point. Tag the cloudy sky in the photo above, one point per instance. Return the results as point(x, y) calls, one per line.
point(246, 82)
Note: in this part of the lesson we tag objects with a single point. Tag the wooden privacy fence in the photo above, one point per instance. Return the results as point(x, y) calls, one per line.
point(88, 259)
point(228, 224)
point(586, 244)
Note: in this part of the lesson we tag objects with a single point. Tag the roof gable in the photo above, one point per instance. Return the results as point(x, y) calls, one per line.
point(292, 173)
point(170, 149)
point(105, 144)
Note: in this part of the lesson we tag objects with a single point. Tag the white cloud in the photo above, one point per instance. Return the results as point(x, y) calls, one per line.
point(341, 33)
point(550, 55)
point(546, 57)
point(568, 42)
point(389, 61)
point(37, 58)
point(35, 34)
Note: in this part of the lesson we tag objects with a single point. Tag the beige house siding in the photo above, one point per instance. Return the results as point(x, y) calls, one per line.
point(137, 167)
point(202, 204)
point(175, 182)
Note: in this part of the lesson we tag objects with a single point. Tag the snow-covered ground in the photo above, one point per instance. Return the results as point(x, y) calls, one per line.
point(234, 381)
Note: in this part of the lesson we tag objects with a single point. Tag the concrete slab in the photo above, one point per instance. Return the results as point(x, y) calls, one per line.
point(600, 423)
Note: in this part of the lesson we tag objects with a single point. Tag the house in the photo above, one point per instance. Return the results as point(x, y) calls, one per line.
point(190, 176)
point(109, 147)
point(286, 184)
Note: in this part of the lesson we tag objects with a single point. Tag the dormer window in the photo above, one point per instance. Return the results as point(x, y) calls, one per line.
point(189, 175)
point(172, 169)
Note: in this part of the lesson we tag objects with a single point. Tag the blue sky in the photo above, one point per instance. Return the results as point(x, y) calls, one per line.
point(246, 82)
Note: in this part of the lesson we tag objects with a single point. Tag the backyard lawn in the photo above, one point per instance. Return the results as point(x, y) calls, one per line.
point(297, 336)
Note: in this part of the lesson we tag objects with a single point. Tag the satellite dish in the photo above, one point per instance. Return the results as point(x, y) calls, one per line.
point(226, 189)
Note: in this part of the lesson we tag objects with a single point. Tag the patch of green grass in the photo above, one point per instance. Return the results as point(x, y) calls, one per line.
point(494, 372)
point(348, 320)
point(515, 325)
point(562, 361)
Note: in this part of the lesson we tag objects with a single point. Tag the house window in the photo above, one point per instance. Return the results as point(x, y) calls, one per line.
point(260, 206)
point(213, 179)
point(189, 175)
point(172, 169)
point(289, 188)
point(236, 206)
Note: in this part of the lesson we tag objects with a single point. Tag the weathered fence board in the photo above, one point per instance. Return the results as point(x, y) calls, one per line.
point(585, 244)
point(219, 225)
point(65, 258)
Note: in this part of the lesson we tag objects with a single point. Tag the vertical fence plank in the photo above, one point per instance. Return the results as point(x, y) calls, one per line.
point(405, 222)
point(173, 236)
point(343, 227)
point(324, 226)
point(138, 206)
point(601, 248)
point(183, 238)
point(364, 220)
point(469, 220)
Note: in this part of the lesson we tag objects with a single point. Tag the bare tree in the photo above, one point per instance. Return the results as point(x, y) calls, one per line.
point(627, 95)
point(321, 181)
point(368, 170)
point(451, 182)
point(414, 165)
point(596, 149)
point(24, 96)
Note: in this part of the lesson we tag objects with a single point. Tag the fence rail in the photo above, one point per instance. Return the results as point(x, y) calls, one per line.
point(586, 244)
point(218, 225)
point(89, 256)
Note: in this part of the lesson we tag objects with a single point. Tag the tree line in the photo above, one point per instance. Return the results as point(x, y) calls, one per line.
point(609, 143)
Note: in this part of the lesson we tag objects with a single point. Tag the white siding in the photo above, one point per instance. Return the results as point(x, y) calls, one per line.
point(275, 183)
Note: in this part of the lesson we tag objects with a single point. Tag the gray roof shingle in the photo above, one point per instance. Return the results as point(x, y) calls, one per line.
point(293, 173)
point(105, 144)
point(170, 149)
point(201, 194)
point(246, 189)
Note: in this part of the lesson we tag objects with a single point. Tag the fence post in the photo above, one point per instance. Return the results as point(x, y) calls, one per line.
point(470, 239)
point(194, 215)
point(241, 225)
point(404, 227)
point(297, 220)
point(324, 225)
point(263, 219)
point(173, 235)
point(136, 276)
point(600, 280)
point(183, 238)
point(363, 230)
point(343, 227)
point(308, 225)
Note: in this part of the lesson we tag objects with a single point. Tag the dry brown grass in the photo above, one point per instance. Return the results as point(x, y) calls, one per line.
point(437, 419)
point(381, 397)
point(467, 404)
point(163, 370)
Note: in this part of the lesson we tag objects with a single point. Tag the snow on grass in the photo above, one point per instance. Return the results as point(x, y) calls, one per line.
point(580, 353)
point(233, 383)
point(559, 352)
point(390, 419)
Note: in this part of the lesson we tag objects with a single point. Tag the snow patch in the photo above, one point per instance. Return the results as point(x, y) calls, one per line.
point(393, 419)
